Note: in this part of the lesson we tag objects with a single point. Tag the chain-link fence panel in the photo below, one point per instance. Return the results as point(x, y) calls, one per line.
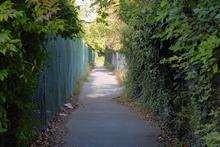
point(67, 63)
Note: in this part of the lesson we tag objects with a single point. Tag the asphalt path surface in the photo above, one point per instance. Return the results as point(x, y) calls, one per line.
point(102, 122)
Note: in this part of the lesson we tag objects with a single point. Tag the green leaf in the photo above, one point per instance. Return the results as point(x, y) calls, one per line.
point(217, 16)
point(4, 36)
point(2, 130)
point(215, 68)
point(3, 74)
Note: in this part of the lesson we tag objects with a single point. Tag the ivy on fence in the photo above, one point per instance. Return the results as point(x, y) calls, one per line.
point(172, 52)
point(23, 27)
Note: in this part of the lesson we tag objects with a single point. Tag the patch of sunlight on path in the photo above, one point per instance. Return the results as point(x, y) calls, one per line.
point(101, 122)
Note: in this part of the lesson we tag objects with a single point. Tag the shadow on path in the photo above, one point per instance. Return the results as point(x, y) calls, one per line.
point(101, 122)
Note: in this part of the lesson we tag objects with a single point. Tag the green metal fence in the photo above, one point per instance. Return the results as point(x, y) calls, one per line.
point(67, 63)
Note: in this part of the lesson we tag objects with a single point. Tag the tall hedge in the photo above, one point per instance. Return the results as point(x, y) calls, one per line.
point(24, 24)
point(172, 51)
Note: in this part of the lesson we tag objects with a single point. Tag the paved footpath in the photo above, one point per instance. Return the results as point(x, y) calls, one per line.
point(101, 122)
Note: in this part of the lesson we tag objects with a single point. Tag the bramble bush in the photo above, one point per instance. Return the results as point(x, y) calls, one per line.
point(172, 52)
point(24, 26)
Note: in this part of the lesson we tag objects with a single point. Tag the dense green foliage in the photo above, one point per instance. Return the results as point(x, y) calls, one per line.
point(24, 26)
point(172, 52)
point(96, 34)
point(104, 32)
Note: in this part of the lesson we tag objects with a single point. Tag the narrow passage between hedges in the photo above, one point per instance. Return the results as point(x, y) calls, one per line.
point(101, 122)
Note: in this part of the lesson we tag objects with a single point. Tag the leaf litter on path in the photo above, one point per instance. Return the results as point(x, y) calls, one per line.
point(56, 130)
